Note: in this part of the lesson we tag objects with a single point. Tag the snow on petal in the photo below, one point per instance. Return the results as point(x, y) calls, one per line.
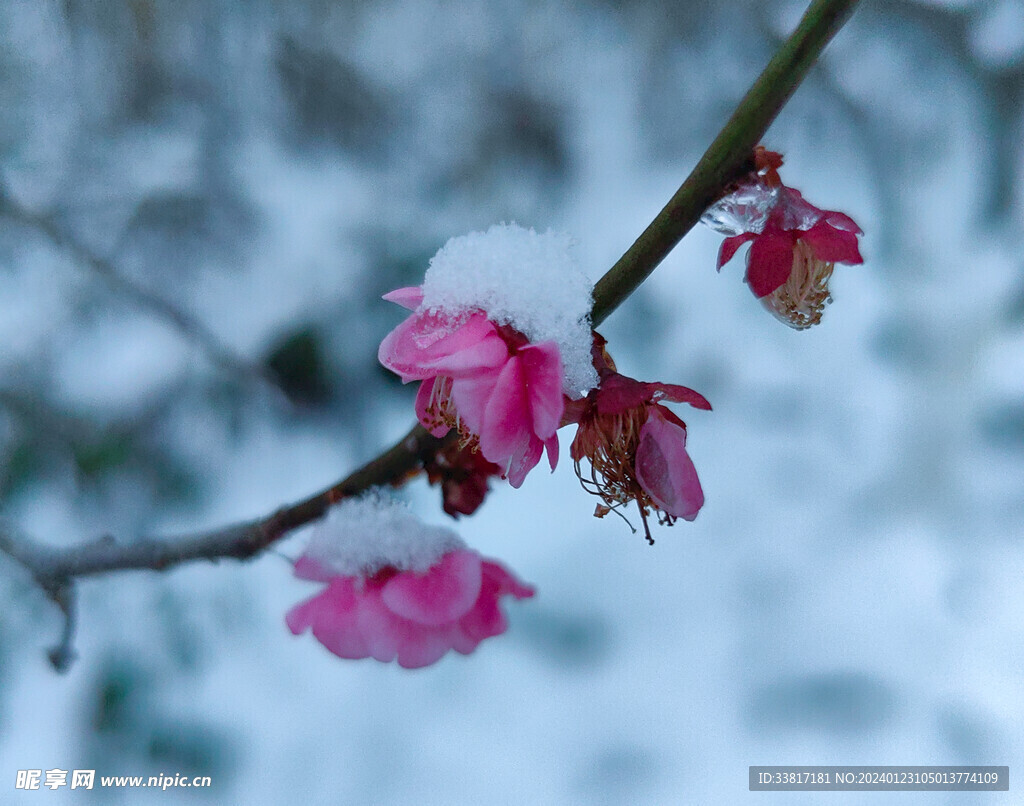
point(528, 280)
point(361, 536)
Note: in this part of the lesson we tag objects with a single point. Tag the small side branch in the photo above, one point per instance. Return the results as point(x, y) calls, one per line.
point(187, 325)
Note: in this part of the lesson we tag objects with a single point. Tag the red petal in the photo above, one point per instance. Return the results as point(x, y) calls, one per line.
point(665, 470)
point(832, 245)
point(770, 260)
point(842, 221)
point(619, 393)
point(730, 245)
point(681, 394)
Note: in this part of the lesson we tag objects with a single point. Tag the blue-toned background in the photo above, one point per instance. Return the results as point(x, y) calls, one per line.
point(233, 185)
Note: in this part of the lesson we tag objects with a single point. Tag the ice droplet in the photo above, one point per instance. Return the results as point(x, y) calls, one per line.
point(796, 212)
point(744, 210)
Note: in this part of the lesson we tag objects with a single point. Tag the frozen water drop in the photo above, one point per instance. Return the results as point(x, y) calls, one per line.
point(744, 210)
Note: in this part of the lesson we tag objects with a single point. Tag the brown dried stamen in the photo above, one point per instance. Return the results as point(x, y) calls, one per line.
point(609, 442)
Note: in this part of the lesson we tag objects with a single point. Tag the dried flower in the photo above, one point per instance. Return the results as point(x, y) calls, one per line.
point(462, 471)
point(636, 447)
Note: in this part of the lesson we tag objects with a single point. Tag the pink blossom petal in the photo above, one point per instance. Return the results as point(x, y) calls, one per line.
point(506, 425)
point(486, 620)
point(333, 616)
point(383, 630)
point(665, 470)
point(524, 459)
point(542, 370)
point(730, 245)
point(442, 595)
point(469, 357)
point(400, 352)
point(426, 345)
point(551, 446)
point(308, 568)
point(390, 637)
point(453, 606)
point(832, 245)
point(471, 396)
point(409, 297)
point(423, 646)
point(771, 260)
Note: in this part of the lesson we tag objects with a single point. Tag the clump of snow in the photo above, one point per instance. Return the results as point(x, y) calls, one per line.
point(524, 279)
point(363, 535)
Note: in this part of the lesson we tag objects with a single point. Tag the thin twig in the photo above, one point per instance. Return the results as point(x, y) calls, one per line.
point(63, 654)
point(185, 323)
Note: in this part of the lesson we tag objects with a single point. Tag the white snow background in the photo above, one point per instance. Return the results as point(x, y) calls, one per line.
point(851, 592)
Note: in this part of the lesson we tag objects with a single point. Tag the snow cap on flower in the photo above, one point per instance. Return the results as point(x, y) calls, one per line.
point(360, 536)
point(528, 280)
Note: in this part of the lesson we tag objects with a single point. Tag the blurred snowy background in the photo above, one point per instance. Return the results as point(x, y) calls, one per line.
point(201, 205)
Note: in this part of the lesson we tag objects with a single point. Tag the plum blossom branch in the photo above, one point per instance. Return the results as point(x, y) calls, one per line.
point(53, 566)
point(728, 157)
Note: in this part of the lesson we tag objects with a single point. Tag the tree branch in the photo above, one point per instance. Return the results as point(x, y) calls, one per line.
point(725, 161)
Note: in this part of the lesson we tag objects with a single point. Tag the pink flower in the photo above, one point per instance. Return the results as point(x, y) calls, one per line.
point(636, 447)
point(414, 618)
point(795, 245)
point(502, 392)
